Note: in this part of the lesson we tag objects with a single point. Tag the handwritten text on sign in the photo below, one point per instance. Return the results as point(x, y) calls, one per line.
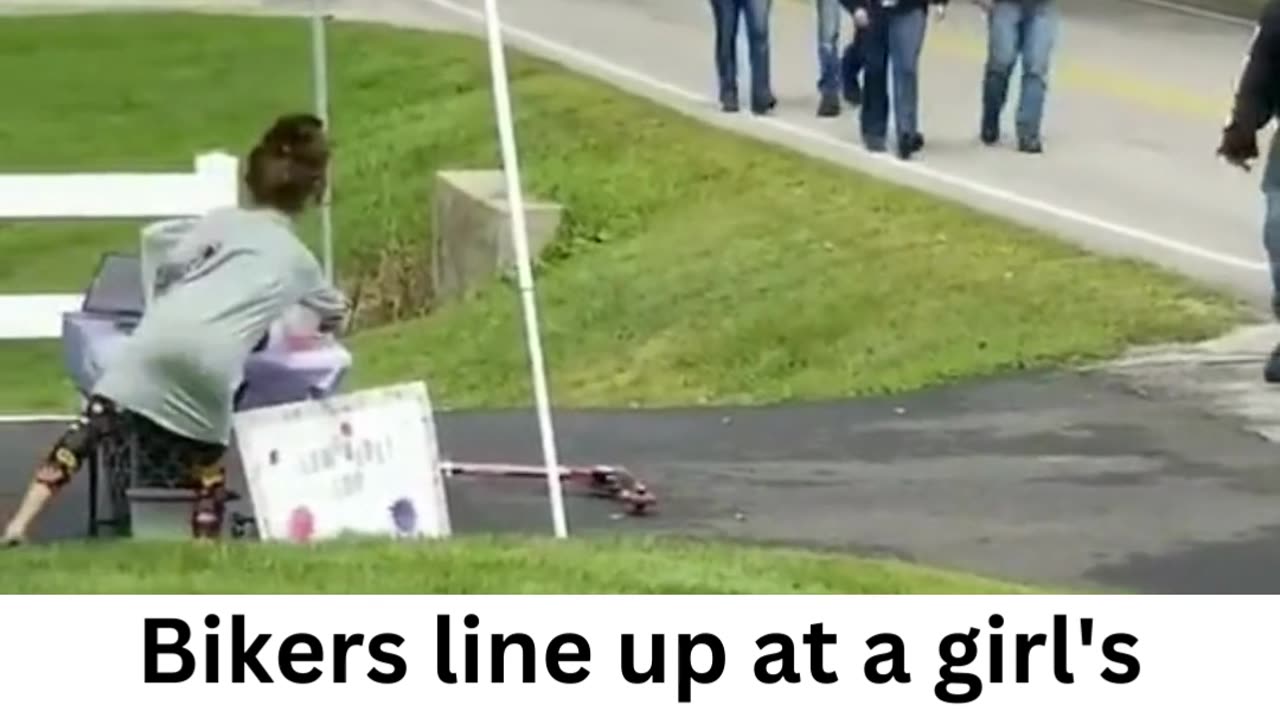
point(366, 463)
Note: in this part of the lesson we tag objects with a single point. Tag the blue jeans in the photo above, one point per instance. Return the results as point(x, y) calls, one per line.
point(1019, 29)
point(891, 49)
point(1271, 221)
point(1271, 242)
point(828, 46)
point(851, 64)
point(756, 15)
point(837, 70)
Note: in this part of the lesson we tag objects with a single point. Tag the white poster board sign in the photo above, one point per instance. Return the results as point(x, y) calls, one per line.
point(365, 463)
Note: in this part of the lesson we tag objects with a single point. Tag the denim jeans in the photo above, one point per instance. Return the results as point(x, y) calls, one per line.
point(829, 59)
point(1271, 221)
point(837, 69)
point(851, 63)
point(1019, 29)
point(755, 13)
point(1271, 242)
point(892, 46)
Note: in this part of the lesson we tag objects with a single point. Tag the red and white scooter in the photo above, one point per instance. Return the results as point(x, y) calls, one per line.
point(605, 481)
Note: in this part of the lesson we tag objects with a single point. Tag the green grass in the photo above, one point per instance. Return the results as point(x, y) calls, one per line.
point(470, 566)
point(694, 265)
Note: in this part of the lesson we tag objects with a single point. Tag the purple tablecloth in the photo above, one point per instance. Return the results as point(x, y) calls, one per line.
point(273, 376)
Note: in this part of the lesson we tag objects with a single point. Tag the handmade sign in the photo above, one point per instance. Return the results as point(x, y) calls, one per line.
point(365, 463)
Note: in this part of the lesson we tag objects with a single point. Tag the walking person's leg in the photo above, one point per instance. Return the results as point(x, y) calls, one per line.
point(1003, 40)
point(757, 19)
point(851, 60)
point(874, 117)
point(829, 60)
point(906, 39)
point(1271, 242)
point(725, 14)
point(1039, 35)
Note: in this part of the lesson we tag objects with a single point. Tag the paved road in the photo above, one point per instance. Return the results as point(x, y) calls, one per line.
point(1066, 480)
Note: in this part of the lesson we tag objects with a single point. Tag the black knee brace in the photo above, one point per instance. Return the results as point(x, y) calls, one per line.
point(210, 509)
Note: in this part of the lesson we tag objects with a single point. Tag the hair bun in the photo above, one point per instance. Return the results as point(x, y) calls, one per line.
point(289, 163)
point(291, 131)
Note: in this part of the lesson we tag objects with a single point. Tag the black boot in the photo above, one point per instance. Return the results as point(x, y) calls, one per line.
point(829, 106)
point(990, 132)
point(853, 93)
point(909, 145)
point(765, 105)
point(1030, 146)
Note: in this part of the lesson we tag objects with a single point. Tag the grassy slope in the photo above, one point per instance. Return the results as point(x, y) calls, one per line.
point(695, 265)
point(470, 566)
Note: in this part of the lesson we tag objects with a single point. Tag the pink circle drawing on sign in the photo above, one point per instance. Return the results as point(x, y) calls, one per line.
point(302, 524)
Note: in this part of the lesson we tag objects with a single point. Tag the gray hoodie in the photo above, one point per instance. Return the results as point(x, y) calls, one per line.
point(234, 275)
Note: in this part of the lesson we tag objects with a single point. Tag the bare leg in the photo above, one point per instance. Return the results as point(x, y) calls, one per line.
point(33, 503)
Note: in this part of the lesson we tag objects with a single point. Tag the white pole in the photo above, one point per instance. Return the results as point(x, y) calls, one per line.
point(320, 74)
point(520, 238)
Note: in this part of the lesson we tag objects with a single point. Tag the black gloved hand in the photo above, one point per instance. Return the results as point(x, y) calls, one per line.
point(1238, 146)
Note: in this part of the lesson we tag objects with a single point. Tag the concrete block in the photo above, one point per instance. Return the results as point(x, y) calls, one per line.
point(472, 244)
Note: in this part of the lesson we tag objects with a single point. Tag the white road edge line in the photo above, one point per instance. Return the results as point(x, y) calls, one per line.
point(914, 166)
point(1197, 12)
point(34, 419)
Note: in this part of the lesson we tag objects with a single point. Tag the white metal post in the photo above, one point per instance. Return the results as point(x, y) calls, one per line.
point(520, 238)
point(320, 75)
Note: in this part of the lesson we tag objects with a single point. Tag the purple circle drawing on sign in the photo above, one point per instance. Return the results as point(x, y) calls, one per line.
point(404, 516)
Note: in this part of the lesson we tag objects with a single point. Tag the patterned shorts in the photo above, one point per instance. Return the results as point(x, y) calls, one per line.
point(143, 454)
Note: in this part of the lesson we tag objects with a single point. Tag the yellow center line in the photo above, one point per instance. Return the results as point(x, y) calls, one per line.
point(1095, 80)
